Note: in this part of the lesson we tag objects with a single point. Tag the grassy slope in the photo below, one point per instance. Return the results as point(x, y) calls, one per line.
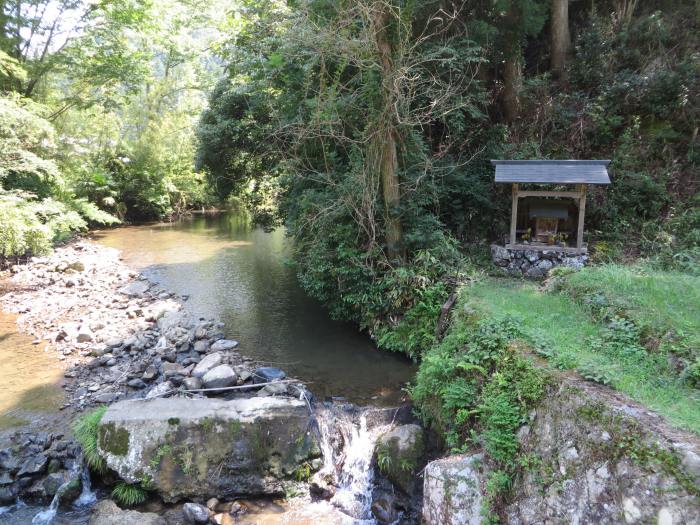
point(565, 329)
point(659, 301)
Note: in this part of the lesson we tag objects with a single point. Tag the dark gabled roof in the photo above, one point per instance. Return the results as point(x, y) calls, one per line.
point(552, 171)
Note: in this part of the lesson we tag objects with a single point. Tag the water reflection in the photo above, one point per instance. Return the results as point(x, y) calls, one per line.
point(242, 276)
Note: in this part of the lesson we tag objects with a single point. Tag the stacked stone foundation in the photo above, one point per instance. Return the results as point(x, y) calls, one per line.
point(534, 264)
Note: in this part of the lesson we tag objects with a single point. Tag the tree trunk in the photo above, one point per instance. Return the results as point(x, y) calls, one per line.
point(561, 38)
point(512, 64)
point(512, 82)
point(386, 135)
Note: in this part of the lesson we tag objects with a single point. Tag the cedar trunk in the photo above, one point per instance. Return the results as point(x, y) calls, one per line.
point(561, 38)
point(512, 83)
point(385, 136)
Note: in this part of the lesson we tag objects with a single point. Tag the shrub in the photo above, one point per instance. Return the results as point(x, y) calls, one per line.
point(92, 213)
point(476, 388)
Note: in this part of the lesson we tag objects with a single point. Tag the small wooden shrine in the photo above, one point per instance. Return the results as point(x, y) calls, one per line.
point(546, 214)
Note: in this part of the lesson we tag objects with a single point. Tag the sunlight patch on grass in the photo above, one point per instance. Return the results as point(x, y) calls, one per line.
point(565, 332)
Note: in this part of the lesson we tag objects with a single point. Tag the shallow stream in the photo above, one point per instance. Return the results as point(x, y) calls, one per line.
point(242, 275)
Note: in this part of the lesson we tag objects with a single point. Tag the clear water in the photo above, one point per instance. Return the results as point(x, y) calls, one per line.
point(241, 276)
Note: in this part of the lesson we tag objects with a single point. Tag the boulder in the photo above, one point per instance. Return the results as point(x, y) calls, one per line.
point(33, 465)
point(584, 437)
point(201, 346)
point(500, 255)
point(266, 374)
point(207, 363)
point(451, 491)
point(195, 513)
point(192, 383)
point(224, 344)
point(106, 512)
point(219, 377)
point(201, 448)
point(399, 452)
point(160, 390)
point(545, 265)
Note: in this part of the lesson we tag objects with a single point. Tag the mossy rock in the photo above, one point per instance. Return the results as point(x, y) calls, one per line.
point(399, 453)
point(201, 448)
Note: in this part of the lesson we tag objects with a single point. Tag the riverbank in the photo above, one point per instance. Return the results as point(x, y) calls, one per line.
point(114, 335)
point(119, 338)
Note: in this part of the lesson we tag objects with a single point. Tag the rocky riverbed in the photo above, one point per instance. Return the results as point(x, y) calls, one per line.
point(189, 416)
point(118, 337)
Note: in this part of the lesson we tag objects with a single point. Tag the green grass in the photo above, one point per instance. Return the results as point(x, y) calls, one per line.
point(129, 495)
point(85, 431)
point(657, 301)
point(564, 330)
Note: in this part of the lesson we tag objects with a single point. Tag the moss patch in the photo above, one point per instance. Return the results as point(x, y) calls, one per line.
point(113, 439)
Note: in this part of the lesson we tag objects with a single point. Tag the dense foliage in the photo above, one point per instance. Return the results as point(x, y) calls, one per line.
point(98, 102)
point(476, 388)
point(372, 124)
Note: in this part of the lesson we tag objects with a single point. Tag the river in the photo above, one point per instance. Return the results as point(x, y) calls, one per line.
point(241, 275)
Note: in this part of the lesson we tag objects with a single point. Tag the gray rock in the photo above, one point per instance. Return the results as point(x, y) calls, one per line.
point(531, 255)
point(192, 383)
point(105, 397)
point(195, 513)
point(159, 390)
point(545, 265)
point(84, 335)
point(150, 372)
point(534, 273)
point(219, 377)
point(207, 363)
point(201, 346)
point(136, 383)
point(589, 480)
point(173, 369)
point(500, 255)
point(224, 344)
point(404, 447)
point(135, 289)
point(106, 512)
point(274, 389)
point(242, 446)
point(266, 374)
point(451, 491)
point(35, 464)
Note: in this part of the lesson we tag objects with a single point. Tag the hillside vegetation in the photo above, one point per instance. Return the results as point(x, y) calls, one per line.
point(372, 124)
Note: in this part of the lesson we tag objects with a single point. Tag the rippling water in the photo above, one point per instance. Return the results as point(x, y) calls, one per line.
point(241, 275)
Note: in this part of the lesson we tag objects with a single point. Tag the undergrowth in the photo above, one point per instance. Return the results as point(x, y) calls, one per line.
point(476, 388)
point(632, 329)
point(128, 494)
point(85, 431)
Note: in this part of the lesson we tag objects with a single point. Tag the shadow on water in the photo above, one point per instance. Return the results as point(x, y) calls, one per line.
point(242, 276)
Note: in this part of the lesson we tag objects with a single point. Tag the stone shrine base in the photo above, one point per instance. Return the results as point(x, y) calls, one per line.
point(534, 264)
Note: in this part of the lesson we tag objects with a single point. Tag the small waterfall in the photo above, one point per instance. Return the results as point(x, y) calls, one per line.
point(87, 496)
point(45, 517)
point(347, 445)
